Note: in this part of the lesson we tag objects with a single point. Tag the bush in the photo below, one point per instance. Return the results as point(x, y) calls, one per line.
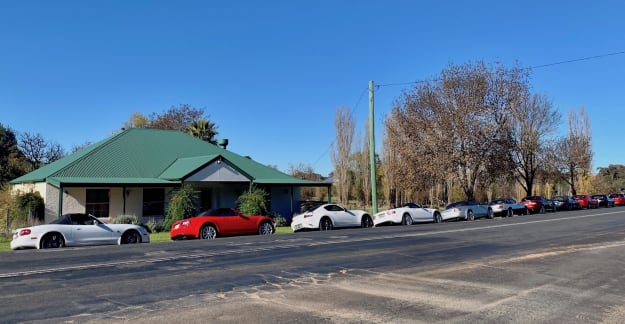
point(253, 202)
point(126, 219)
point(25, 205)
point(181, 205)
point(280, 221)
point(155, 226)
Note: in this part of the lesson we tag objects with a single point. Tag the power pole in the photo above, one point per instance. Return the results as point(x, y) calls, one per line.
point(374, 185)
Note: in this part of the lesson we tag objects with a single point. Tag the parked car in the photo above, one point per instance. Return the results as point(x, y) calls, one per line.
point(77, 229)
point(507, 207)
point(218, 222)
point(619, 199)
point(538, 204)
point(585, 201)
point(565, 203)
point(603, 200)
point(468, 210)
point(329, 216)
point(407, 214)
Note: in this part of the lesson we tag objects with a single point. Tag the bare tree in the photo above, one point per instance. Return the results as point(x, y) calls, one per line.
point(54, 151)
point(575, 149)
point(455, 128)
point(344, 125)
point(33, 147)
point(534, 121)
point(365, 167)
point(306, 172)
point(176, 118)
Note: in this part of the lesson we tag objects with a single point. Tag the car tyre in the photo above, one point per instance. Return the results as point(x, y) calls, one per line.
point(542, 209)
point(208, 232)
point(470, 216)
point(265, 228)
point(325, 224)
point(366, 222)
point(438, 218)
point(490, 214)
point(509, 213)
point(131, 237)
point(406, 220)
point(52, 241)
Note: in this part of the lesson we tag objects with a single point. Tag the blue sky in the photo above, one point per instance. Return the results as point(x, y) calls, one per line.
point(271, 74)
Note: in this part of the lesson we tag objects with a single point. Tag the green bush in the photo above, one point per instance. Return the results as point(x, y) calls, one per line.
point(253, 202)
point(280, 221)
point(126, 219)
point(155, 226)
point(181, 205)
point(27, 204)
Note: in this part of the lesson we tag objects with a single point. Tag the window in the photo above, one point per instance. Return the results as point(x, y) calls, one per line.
point(97, 202)
point(153, 202)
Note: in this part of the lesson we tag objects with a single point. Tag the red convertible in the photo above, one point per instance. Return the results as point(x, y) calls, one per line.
point(221, 222)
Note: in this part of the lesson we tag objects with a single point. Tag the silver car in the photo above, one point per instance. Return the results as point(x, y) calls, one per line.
point(468, 210)
point(508, 207)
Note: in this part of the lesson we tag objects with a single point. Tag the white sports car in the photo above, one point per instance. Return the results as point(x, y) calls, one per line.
point(76, 230)
point(407, 215)
point(328, 216)
point(508, 207)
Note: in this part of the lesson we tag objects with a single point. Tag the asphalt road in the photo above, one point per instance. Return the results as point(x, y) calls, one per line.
point(565, 267)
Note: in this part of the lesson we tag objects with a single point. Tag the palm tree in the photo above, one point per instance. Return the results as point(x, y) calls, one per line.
point(204, 130)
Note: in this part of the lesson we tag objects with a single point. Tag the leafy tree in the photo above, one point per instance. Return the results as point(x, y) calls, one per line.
point(306, 172)
point(253, 202)
point(137, 120)
point(28, 204)
point(181, 205)
point(614, 176)
point(204, 130)
point(12, 162)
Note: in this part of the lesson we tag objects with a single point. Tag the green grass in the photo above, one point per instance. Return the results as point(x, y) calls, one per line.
point(154, 237)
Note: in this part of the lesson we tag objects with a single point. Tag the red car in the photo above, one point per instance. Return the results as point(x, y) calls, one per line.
point(619, 199)
point(221, 222)
point(538, 204)
point(585, 201)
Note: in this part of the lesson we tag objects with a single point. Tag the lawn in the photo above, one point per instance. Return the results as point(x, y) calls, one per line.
point(154, 237)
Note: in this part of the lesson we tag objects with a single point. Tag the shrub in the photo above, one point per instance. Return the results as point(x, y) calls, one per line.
point(25, 205)
point(280, 221)
point(181, 205)
point(126, 219)
point(155, 226)
point(253, 202)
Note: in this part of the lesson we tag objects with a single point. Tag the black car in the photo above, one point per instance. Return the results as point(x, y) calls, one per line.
point(565, 203)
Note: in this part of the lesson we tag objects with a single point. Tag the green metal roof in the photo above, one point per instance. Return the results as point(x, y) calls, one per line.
point(149, 156)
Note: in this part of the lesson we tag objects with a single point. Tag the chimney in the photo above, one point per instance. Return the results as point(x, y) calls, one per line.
point(223, 143)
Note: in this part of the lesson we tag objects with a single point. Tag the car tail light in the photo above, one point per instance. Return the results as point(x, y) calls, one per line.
point(390, 212)
point(25, 231)
point(308, 215)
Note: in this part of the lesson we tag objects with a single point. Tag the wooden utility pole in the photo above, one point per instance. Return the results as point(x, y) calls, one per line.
point(374, 185)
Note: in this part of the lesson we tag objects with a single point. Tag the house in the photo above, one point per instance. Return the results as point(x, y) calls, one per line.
point(133, 173)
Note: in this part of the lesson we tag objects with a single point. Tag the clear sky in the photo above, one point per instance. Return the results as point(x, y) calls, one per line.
point(271, 74)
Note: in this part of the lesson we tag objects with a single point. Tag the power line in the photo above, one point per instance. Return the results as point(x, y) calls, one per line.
point(529, 68)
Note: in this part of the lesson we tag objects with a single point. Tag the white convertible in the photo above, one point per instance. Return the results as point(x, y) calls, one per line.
point(328, 216)
point(407, 215)
point(76, 230)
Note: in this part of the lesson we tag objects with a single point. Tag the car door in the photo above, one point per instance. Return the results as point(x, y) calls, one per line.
point(420, 214)
point(242, 224)
point(340, 216)
point(89, 231)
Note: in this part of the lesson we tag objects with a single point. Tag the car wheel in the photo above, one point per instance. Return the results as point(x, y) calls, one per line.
point(52, 241)
point(438, 218)
point(265, 228)
point(366, 222)
point(526, 211)
point(325, 224)
point(542, 209)
point(470, 216)
point(131, 237)
point(509, 213)
point(407, 220)
point(208, 232)
point(490, 214)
